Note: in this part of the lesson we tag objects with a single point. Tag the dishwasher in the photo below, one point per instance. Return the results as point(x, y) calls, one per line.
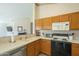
point(16, 52)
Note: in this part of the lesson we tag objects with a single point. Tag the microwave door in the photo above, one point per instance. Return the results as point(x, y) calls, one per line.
point(56, 26)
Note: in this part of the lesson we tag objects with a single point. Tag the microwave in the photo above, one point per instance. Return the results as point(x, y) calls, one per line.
point(60, 26)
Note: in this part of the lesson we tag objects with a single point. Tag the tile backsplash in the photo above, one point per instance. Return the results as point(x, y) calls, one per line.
point(76, 32)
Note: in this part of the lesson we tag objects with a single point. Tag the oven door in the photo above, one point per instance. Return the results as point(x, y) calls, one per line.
point(56, 48)
point(61, 48)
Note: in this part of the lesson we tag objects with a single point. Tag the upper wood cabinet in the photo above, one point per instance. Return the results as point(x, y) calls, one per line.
point(75, 49)
point(55, 19)
point(60, 18)
point(74, 22)
point(44, 23)
point(47, 23)
point(38, 24)
point(64, 18)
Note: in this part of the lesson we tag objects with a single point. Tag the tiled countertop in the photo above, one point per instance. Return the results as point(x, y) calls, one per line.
point(6, 46)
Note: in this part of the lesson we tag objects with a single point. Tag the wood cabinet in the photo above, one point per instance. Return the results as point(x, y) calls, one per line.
point(33, 48)
point(64, 18)
point(41, 45)
point(37, 47)
point(55, 19)
point(47, 23)
point(74, 23)
point(44, 23)
point(38, 24)
point(61, 18)
point(75, 49)
point(46, 46)
point(30, 50)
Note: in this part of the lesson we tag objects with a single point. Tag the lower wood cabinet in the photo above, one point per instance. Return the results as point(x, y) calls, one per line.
point(37, 47)
point(75, 49)
point(46, 46)
point(30, 50)
point(33, 49)
point(41, 45)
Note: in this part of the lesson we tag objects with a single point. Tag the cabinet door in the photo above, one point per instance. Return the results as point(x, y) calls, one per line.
point(30, 50)
point(37, 47)
point(55, 19)
point(38, 24)
point(75, 49)
point(46, 46)
point(33, 48)
point(64, 18)
point(74, 23)
point(47, 23)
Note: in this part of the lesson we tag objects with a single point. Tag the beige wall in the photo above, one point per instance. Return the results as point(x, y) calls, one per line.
point(36, 11)
point(47, 10)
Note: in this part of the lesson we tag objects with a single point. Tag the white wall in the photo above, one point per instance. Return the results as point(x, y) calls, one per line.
point(17, 14)
point(47, 10)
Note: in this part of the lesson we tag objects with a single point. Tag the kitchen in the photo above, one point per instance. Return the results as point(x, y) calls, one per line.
point(52, 31)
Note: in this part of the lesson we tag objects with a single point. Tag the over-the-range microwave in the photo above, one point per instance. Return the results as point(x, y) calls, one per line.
point(60, 26)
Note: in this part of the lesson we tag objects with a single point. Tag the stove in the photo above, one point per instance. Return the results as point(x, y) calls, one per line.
point(61, 37)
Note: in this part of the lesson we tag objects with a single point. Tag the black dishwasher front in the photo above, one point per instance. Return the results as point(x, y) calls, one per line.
point(60, 48)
